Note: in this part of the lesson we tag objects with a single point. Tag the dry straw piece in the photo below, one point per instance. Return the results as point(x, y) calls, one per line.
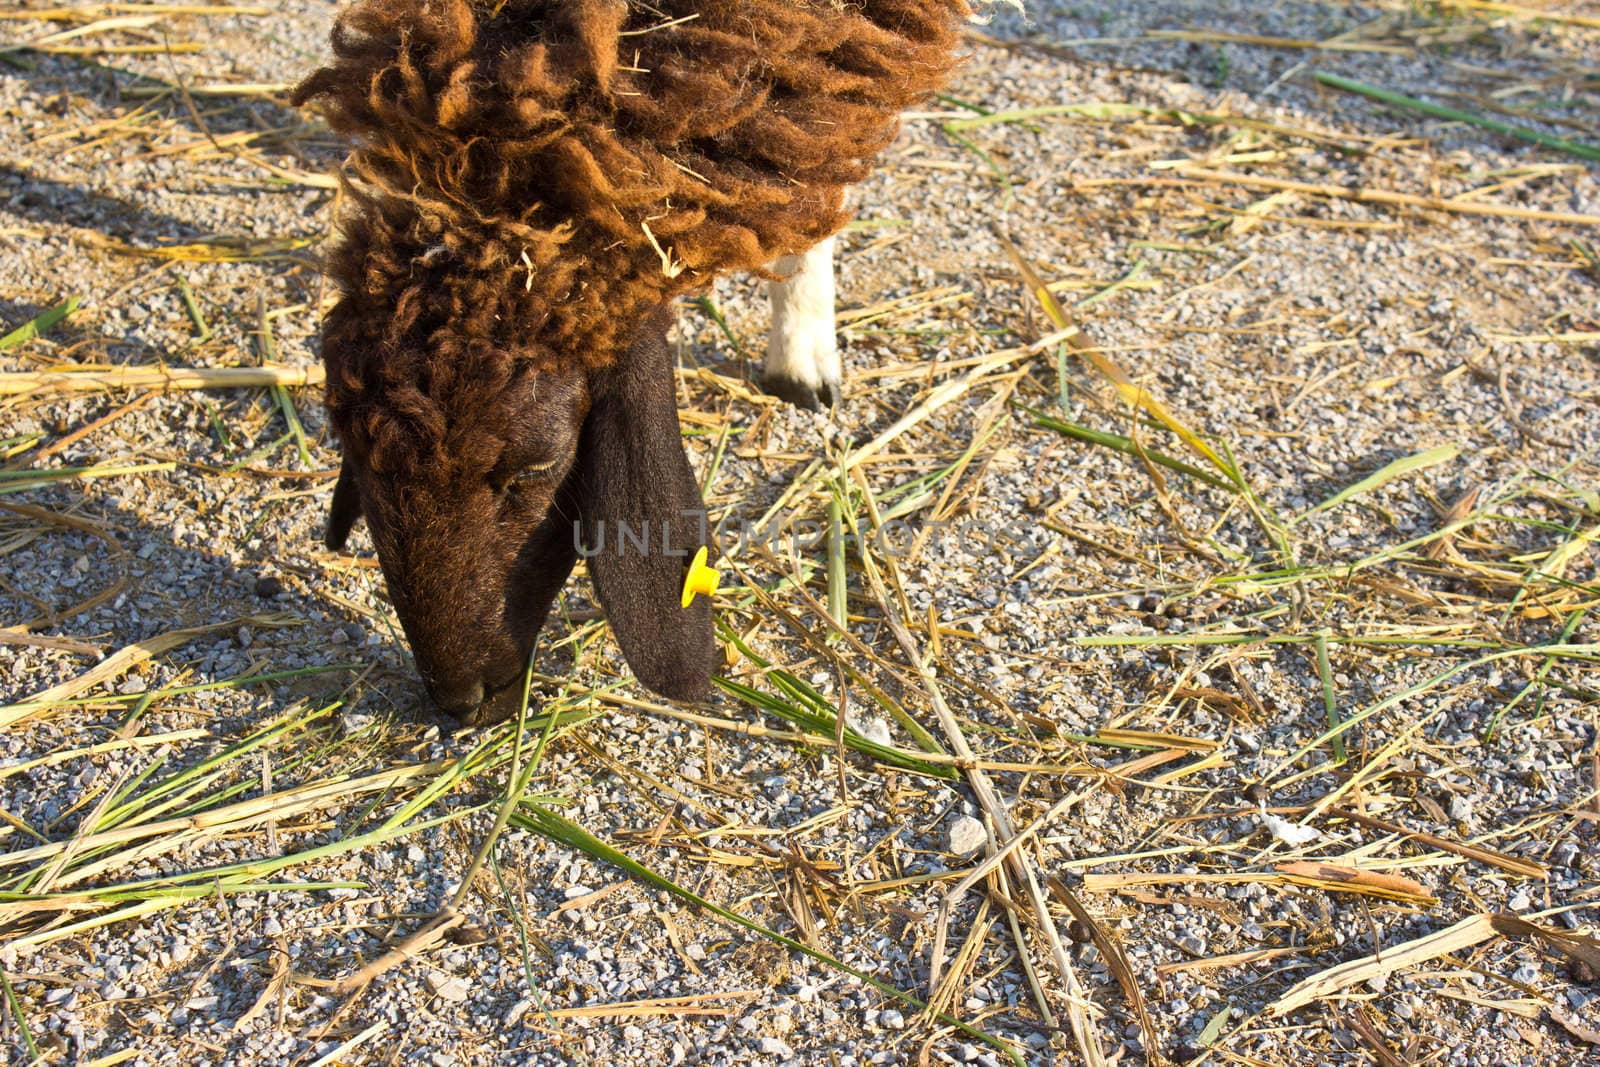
point(102, 379)
point(1456, 205)
point(119, 663)
point(1473, 930)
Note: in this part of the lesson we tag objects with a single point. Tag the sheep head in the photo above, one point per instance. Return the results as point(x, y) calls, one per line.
point(482, 482)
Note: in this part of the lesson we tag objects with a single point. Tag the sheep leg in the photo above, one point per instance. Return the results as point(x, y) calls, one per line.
point(803, 351)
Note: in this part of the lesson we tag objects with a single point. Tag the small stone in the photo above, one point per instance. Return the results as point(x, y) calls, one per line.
point(875, 730)
point(448, 987)
point(892, 1019)
point(967, 836)
point(514, 1015)
point(775, 1046)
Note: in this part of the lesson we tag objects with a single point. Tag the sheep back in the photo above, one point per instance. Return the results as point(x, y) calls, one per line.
point(529, 176)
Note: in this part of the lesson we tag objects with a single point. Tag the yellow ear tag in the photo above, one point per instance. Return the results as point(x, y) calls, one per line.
point(701, 579)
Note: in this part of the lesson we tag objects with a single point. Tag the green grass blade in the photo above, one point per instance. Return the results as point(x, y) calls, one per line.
point(517, 780)
point(185, 783)
point(1119, 443)
point(814, 721)
point(1330, 699)
point(292, 418)
point(40, 324)
point(1386, 474)
point(817, 713)
point(714, 313)
point(838, 575)
point(261, 453)
point(192, 306)
point(18, 1015)
point(1537, 683)
point(1580, 149)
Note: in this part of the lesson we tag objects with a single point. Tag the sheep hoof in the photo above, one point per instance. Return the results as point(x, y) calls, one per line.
point(810, 396)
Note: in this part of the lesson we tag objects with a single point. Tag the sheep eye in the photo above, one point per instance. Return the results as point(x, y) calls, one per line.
point(504, 481)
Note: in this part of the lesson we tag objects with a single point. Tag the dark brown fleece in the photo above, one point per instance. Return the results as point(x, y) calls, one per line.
point(530, 177)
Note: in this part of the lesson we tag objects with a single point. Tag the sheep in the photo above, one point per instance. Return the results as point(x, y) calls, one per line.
point(531, 184)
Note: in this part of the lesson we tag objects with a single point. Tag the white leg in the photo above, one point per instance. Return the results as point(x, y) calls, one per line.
point(803, 352)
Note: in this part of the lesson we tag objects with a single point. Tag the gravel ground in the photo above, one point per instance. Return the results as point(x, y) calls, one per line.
point(1321, 338)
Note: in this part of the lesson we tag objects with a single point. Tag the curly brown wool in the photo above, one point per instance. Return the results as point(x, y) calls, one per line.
point(530, 177)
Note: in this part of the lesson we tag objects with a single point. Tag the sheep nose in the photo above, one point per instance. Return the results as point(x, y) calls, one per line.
point(458, 699)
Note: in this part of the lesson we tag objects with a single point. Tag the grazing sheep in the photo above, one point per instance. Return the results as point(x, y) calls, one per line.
point(532, 183)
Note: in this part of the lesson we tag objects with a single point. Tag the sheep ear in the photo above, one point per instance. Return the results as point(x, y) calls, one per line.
point(642, 519)
point(345, 509)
